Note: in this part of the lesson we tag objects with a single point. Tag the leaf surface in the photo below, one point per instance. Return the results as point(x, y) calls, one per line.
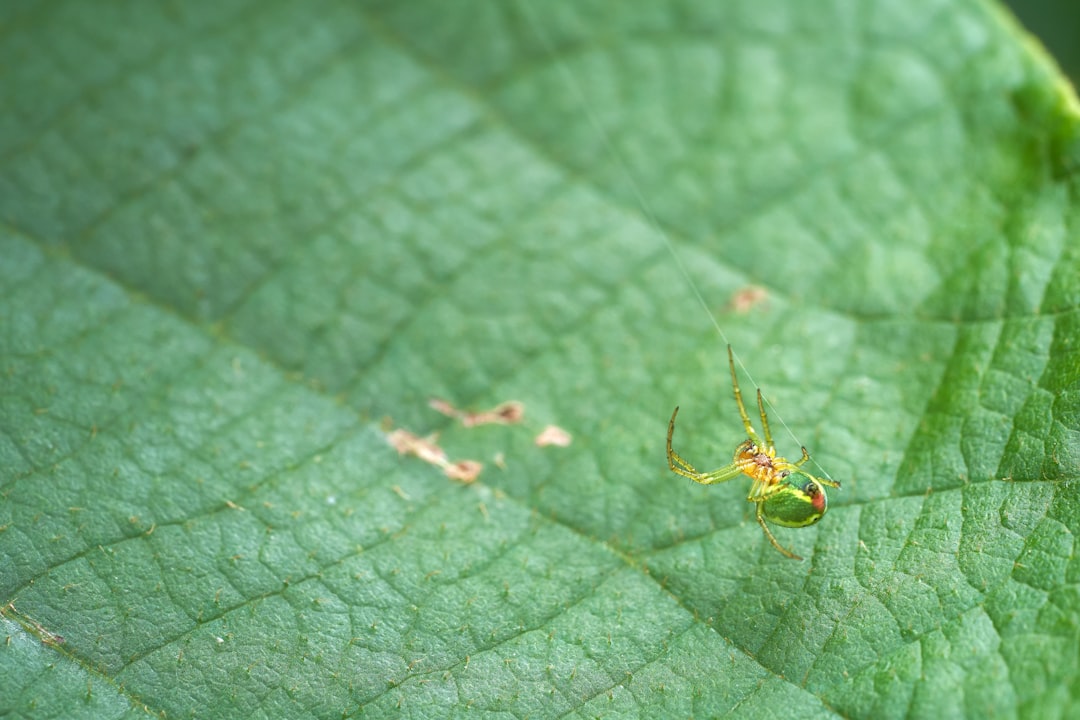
point(242, 241)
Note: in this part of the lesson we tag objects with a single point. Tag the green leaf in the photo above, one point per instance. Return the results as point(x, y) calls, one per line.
point(241, 242)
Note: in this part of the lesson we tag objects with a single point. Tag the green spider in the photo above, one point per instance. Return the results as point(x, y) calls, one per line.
point(785, 494)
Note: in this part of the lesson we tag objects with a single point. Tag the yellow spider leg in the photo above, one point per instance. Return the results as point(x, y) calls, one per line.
point(738, 399)
point(768, 533)
point(761, 490)
point(676, 461)
point(757, 491)
point(720, 474)
point(764, 420)
point(823, 481)
point(679, 465)
point(830, 483)
point(805, 457)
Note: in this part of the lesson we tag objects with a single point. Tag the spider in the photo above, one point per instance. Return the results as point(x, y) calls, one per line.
point(785, 494)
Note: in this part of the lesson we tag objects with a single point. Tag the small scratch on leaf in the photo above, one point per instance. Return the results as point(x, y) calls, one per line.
point(46, 637)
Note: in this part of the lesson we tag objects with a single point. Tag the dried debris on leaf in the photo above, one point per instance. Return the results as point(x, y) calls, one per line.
point(507, 413)
point(425, 448)
point(746, 298)
point(465, 471)
point(553, 435)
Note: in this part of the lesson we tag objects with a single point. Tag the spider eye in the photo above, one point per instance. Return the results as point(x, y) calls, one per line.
point(784, 473)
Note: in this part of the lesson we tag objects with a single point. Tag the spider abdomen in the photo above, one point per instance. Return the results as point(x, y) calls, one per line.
point(799, 501)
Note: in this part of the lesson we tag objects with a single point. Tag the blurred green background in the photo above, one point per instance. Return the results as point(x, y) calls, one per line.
point(1057, 24)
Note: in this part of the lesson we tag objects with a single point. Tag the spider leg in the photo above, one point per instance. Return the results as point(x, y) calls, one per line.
point(674, 460)
point(679, 465)
point(761, 490)
point(720, 475)
point(805, 457)
point(739, 401)
point(764, 420)
point(772, 538)
point(823, 481)
point(830, 483)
